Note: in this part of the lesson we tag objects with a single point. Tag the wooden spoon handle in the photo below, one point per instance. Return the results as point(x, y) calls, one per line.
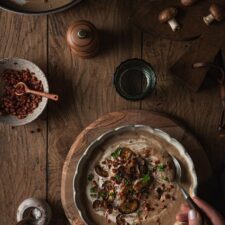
point(53, 97)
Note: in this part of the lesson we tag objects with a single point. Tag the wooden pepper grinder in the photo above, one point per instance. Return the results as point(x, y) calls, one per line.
point(83, 39)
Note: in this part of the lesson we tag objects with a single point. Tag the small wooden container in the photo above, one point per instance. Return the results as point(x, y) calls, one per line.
point(83, 39)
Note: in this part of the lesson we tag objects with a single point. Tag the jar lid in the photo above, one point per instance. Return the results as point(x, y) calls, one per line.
point(134, 79)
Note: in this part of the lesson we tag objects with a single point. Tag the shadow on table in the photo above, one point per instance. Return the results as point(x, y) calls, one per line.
point(60, 83)
point(212, 191)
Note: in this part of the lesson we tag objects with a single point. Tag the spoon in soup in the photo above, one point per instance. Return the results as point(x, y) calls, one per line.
point(21, 89)
point(186, 195)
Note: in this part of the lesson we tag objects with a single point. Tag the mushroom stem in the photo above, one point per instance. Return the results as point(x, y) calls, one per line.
point(174, 24)
point(208, 19)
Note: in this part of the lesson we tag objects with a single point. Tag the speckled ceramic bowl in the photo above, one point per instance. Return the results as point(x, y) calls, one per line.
point(21, 64)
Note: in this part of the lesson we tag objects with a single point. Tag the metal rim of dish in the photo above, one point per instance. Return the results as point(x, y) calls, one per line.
point(51, 11)
point(108, 134)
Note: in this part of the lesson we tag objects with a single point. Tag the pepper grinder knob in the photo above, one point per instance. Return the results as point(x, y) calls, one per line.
point(83, 39)
point(82, 34)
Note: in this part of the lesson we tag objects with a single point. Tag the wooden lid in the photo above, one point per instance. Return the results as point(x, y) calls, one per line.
point(82, 37)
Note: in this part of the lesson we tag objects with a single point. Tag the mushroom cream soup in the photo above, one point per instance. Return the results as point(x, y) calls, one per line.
point(133, 181)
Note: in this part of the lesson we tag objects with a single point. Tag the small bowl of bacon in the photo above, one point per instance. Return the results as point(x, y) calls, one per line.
point(17, 110)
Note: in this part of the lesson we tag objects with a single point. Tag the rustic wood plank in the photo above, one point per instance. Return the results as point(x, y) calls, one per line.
point(204, 49)
point(22, 153)
point(85, 86)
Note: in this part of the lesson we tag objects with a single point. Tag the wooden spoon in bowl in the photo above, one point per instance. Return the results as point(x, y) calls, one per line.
point(21, 88)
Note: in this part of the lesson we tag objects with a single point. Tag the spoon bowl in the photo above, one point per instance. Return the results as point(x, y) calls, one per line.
point(20, 88)
point(178, 169)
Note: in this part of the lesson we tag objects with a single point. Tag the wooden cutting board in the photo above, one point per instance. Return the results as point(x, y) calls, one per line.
point(116, 119)
point(209, 39)
point(146, 12)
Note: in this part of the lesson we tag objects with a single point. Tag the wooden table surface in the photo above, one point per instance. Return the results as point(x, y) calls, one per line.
point(32, 156)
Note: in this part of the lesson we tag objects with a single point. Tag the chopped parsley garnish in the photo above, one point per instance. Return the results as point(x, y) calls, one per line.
point(117, 177)
point(93, 195)
point(139, 212)
point(116, 154)
point(102, 194)
point(90, 177)
point(132, 191)
point(112, 194)
point(146, 178)
point(161, 168)
point(93, 190)
point(127, 182)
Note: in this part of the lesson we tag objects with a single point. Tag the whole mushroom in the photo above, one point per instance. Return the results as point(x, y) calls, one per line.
point(188, 2)
point(168, 16)
point(217, 13)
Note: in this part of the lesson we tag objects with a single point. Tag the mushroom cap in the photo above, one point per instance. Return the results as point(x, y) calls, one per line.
point(217, 11)
point(188, 2)
point(167, 14)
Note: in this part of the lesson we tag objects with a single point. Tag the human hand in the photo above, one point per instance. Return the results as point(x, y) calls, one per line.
point(188, 216)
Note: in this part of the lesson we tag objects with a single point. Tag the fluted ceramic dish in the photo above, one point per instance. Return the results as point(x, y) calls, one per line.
point(23, 64)
point(91, 152)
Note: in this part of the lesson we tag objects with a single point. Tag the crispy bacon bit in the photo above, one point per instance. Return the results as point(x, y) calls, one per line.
point(167, 196)
point(114, 170)
point(173, 198)
point(147, 153)
point(147, 207)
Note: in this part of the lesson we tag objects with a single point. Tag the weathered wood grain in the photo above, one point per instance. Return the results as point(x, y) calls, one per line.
point(85, 86)
point(86, 92)
point(22, 153)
